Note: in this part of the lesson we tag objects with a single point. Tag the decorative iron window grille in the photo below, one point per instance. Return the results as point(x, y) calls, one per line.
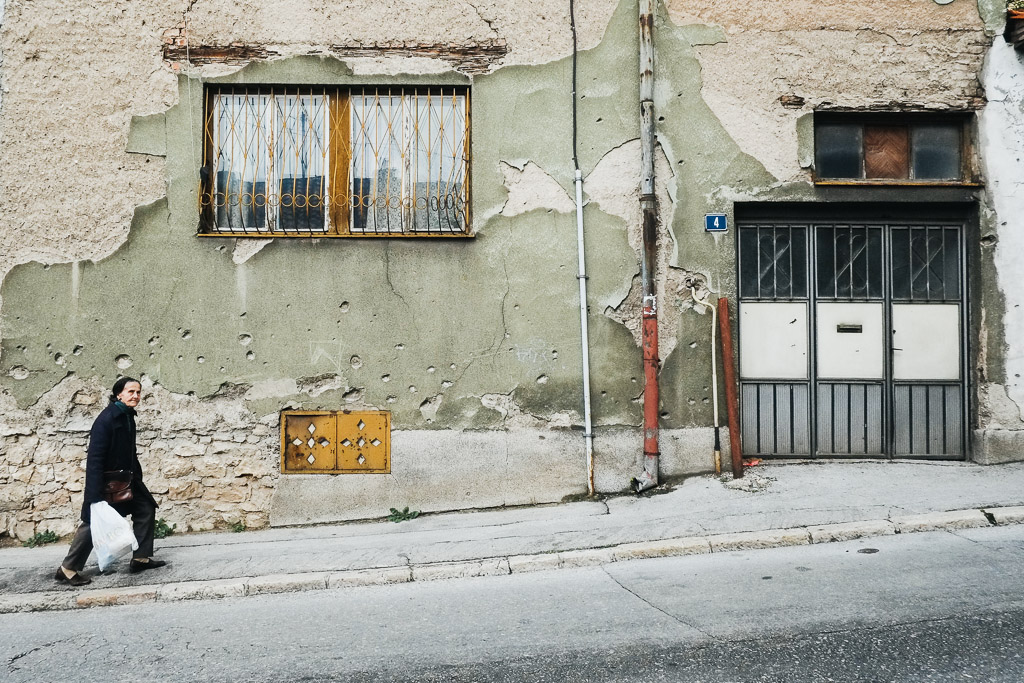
point(926, 263)
point(773, 262)
point(327, 161)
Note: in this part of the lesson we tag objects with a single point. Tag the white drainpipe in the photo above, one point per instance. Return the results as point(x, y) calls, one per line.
point(584, 333)
point(588, 431)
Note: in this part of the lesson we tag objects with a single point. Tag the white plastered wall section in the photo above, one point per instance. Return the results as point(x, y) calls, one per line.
point(873, 54)
point(1000, 437)
point(73, 76)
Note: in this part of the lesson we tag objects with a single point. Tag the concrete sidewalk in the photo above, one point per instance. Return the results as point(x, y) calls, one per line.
point(778, 504)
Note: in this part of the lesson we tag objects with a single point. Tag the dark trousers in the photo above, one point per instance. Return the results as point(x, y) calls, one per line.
point(143, 524)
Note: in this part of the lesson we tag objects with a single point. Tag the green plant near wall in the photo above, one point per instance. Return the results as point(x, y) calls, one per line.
point(1015, 5)
point(162, 530)
point(238, 527)
point(41, 538)
point(402, 515)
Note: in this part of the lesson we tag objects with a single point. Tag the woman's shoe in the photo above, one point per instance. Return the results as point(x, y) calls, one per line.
point(75, 579)
point(143, 565)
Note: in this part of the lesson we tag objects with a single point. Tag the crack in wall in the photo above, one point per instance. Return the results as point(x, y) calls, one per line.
point(387, 273)
point(490, 22)
point(508, 289)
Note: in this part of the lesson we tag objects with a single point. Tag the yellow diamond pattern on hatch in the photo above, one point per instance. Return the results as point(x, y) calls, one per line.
point(364, 441)
point(309, 442)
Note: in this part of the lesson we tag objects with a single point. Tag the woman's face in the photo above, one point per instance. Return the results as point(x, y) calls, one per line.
point(131, 394)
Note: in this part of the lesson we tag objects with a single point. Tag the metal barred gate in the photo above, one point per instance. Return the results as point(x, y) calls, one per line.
point(852, 338)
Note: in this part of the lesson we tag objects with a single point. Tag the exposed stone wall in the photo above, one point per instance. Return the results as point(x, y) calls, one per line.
point(209, 463)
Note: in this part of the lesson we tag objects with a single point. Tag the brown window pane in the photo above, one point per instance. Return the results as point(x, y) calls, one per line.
point(886, 151)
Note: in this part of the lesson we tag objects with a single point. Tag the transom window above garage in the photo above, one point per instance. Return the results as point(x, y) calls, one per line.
point(891, 148)
point(335, 161)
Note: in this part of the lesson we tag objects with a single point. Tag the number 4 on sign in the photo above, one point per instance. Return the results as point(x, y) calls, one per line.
point(715, 222)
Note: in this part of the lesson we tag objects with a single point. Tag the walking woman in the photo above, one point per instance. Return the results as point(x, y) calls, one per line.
point(112, 449)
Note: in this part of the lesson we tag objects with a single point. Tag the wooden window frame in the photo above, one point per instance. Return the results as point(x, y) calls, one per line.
point(907, 120)
point(337, 200)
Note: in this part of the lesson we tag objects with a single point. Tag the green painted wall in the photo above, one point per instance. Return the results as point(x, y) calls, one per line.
point(396, 321)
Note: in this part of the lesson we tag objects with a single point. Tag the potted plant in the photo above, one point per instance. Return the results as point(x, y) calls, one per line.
point(1015, 9)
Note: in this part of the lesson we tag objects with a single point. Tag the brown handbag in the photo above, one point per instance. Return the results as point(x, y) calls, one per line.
point(117, 487)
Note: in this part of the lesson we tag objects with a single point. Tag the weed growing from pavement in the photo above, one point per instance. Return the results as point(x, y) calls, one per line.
point(238, 527)
point(41, 538)
point(402, 515)
point(162, 530)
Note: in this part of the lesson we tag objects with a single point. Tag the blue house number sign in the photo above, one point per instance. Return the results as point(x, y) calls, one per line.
point(715, 222)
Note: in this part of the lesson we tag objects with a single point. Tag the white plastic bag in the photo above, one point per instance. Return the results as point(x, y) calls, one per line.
point(112, 535)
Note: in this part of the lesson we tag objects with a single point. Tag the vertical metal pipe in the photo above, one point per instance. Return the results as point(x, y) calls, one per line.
point(584, 334)
point(731, 399)
point(582, 272)
point(649, 212)
point(714, 375)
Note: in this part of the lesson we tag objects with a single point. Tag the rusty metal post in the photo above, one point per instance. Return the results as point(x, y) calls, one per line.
point(649, 228)
point(731, 399)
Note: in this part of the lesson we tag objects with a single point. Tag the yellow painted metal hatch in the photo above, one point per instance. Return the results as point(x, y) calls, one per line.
point(335, 442)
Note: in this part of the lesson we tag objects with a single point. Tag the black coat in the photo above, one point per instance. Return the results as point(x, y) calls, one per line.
point(112, 447)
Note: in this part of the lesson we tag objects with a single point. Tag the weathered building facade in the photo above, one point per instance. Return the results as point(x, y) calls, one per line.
point(305, 208)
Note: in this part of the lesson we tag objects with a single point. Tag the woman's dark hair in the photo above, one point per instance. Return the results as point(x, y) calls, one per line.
point(119, 386)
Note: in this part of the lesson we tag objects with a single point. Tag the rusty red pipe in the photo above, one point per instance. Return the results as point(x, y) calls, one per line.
point(650, 352)
point(731, 397)
point(648, 477)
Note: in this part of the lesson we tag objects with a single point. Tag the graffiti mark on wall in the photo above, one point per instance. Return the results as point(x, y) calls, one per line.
point(327, 351)
point(535, 352)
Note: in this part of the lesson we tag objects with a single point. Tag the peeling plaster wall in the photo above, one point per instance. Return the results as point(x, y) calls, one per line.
point(73, 76)
point(535, 31)
point(455, 338)
point(910, 54)
point(1000, 434)
point(473, 345)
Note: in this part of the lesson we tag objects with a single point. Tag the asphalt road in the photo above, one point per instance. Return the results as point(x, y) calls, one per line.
point(925, 607)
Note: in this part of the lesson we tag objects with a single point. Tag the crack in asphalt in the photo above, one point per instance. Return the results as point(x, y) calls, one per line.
point(21, 655)
point(647, 602)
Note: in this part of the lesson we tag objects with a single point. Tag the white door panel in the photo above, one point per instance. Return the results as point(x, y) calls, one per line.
point(926, 341)
point(850, 338)
point(773, 340)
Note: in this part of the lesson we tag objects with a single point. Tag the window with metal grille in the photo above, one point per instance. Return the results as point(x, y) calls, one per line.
point(331, 161)
point(891, 148)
